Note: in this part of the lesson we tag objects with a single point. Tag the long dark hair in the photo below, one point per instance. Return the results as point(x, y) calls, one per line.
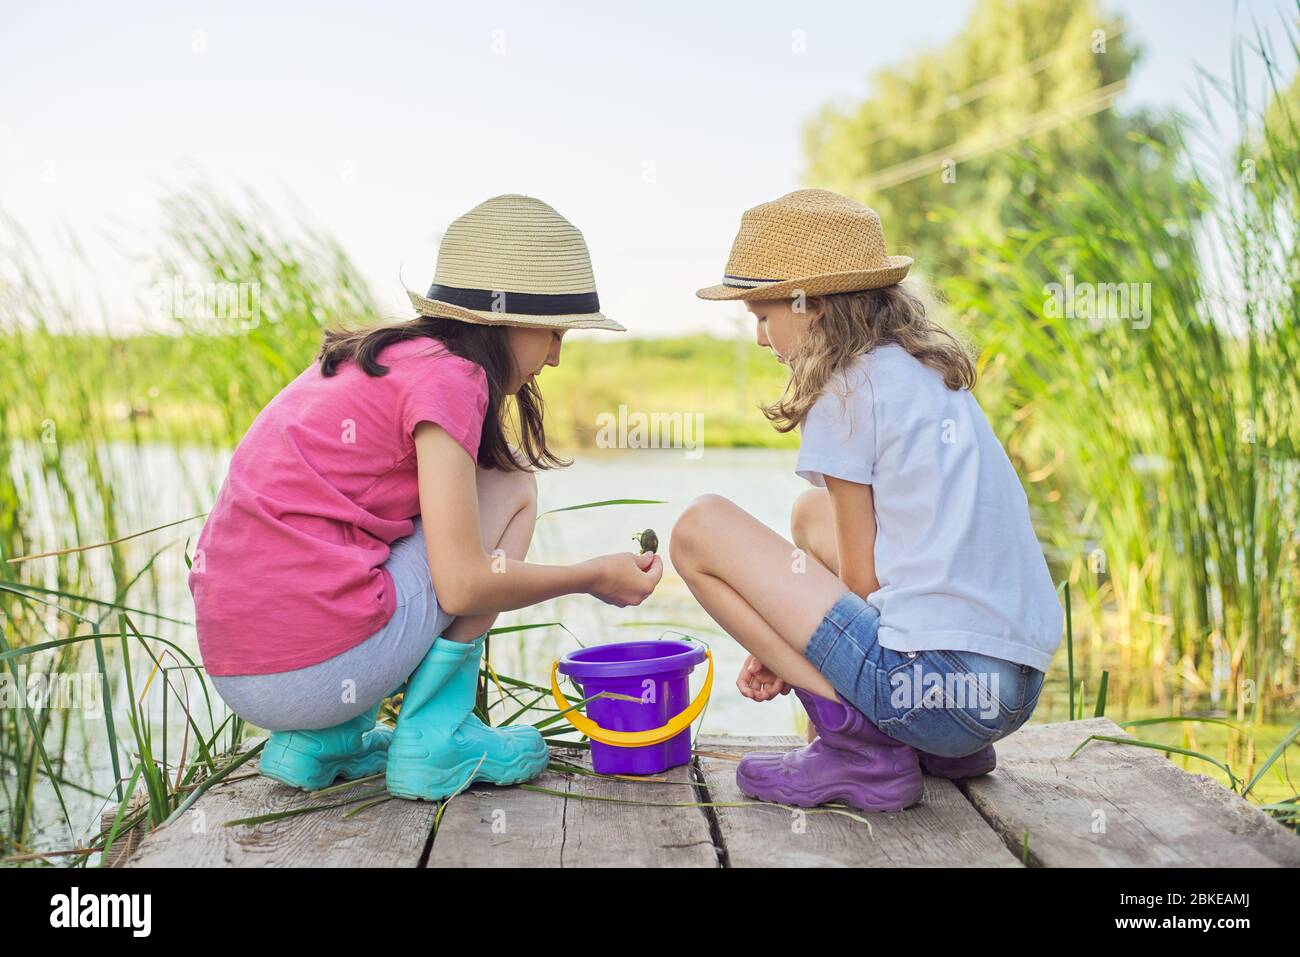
point(483, 345)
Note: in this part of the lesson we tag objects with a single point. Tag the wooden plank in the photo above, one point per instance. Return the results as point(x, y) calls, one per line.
point(124, 845)
point(487, 826)
point(1114, 805)
point(517, 827)
point(943, 830)
point(601, 834)
point(392, 834)
point(1111, 805)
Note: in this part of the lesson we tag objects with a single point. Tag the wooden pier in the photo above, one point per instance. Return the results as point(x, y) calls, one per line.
point(1110, 805)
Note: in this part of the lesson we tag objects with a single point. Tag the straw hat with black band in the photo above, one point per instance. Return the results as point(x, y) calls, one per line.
point(514, 261)
point(811, 241)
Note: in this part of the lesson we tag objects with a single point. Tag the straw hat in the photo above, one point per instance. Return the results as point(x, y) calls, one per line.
point(811, 241)
point(514, 261)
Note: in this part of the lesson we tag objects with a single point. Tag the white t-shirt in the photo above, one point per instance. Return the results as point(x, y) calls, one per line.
point(957, 560)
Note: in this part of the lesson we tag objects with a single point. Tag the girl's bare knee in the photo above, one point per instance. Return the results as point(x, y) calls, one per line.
point(516, 487)
point(811, 509)
point(692, 528)
point(524, 485)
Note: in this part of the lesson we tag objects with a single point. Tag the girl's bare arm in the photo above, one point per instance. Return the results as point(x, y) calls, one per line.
point(854, 512)
point(469, 581)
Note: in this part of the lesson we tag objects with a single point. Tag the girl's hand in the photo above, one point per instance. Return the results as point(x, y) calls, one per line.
point(625, 579)
point(758, 682)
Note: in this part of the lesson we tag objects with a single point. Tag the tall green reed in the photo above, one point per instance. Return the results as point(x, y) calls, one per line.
point(78, 464)
point(1160, 444)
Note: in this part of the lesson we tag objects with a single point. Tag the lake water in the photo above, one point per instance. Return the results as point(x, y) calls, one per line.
point(761, 481)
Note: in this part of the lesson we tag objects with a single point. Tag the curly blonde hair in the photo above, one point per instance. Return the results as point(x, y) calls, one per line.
point(854, 323)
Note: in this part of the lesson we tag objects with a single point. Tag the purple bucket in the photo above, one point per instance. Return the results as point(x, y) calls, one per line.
point(657, 674)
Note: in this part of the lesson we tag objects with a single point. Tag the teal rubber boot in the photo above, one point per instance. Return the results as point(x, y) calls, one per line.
point(312, 760)
point(440, 746)
point(473, 664)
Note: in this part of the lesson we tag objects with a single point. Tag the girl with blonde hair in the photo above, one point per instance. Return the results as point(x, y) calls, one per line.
point(913, 614)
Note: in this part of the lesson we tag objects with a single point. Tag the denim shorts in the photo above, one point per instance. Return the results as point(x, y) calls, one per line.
point(947, 703)
point(340, 688)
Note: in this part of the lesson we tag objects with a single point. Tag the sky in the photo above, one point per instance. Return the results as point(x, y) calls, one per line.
point(651, 127)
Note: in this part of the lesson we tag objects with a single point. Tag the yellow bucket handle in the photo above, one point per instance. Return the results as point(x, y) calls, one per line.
point(632, 739)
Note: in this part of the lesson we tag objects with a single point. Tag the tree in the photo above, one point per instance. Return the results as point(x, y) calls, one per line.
point(934, 147)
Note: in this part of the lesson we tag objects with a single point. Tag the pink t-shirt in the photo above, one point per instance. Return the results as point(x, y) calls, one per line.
point(288, 569)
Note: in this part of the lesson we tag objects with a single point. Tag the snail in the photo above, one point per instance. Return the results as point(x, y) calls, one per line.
point(648, 541)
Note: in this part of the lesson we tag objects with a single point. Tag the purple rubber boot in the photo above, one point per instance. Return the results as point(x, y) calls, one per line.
point(972, 765)
point(851, 761)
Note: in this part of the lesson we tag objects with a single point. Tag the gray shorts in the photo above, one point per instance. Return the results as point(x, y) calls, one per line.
point(340, 688)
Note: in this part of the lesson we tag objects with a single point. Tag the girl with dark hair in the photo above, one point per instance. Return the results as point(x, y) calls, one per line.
point(375, 520)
